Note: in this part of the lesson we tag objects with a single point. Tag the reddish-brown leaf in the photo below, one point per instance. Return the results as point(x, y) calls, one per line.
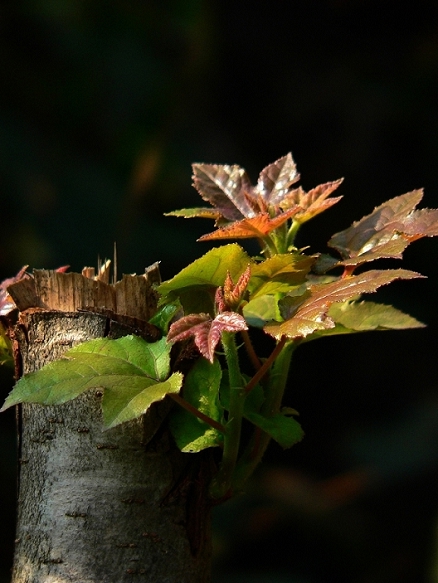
point(375, 230)
point(6, 302)
point(206, 332)
point(258, 226)
point(224, 187)
point(301, 319)
point(276, 179)
point(312, 203)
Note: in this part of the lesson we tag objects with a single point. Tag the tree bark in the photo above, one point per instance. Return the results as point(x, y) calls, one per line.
point(94, 506)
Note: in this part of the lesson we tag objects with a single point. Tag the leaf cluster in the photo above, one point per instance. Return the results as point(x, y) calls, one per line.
point(292, 296)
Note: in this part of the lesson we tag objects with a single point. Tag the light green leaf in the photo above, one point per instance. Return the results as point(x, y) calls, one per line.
point(208, 271)
point(201, 389)
point(279, 274)
point(363, 316)
point(261, 310)
point(304, 318)
point(125, 401)
point(282, 427)
point(127, 366)
point(198, 212)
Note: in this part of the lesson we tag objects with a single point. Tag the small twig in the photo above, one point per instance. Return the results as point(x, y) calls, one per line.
point(191, 409)
point(250, 350)
point(266, 365)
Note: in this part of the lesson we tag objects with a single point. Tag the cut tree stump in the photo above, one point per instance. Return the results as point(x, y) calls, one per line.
point(100, 507)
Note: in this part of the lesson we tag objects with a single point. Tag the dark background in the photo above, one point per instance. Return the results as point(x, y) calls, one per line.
point(104, 106)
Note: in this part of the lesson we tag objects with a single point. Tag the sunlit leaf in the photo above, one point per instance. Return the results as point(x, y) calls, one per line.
point(129, 400)
point(261, 310)
point(312, 203)
point(259, 226)
point(125, 367)
point(364, 316)
point(6, 302)
point(421, 223)
point(201, 389)
point(200, 212)
point(209, 271)
point(380, 232)
point(278, 274)
point(275, 180)
point(304, 317)
point(224, 187)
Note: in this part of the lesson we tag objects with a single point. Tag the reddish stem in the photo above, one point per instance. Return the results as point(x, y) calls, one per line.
point(188, 407)
point(266, 365)
point(250, 350)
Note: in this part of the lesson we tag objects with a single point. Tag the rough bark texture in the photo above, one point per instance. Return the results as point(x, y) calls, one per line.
point(115, 506)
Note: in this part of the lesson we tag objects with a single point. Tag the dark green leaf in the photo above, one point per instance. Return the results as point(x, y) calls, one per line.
point(283, 428)
point(6, 355)
point(201, 389)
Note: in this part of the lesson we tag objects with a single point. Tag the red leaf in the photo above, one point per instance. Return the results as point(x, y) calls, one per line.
point(206, 332)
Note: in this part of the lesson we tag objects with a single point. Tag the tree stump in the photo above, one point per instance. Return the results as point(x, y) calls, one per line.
point(115, 506)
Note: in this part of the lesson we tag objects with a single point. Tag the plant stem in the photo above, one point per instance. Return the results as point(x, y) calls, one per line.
point(221, 484)
point(256, 448)
point(250, 350)
point(270, 246)
point(292, 233)
point(265, 366)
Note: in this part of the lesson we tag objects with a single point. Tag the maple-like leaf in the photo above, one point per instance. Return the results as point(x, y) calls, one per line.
point(225, 187)
point(311, 203)
point(205, 330)
point(307, 313)
point(387, 231)
point(276, 179)
point(258, 226)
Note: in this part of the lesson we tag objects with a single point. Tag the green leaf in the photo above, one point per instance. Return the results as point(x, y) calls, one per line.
point(282, 427)
point(201, 389)
point(261, 310)
point(364, 316)
point(6, 353)
point(278, 274)
point(199, 212)
point(125, 401)
point(305, 316)
point(253, 400)
point(163, 317)
point(196, 280)
point(127, 366)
